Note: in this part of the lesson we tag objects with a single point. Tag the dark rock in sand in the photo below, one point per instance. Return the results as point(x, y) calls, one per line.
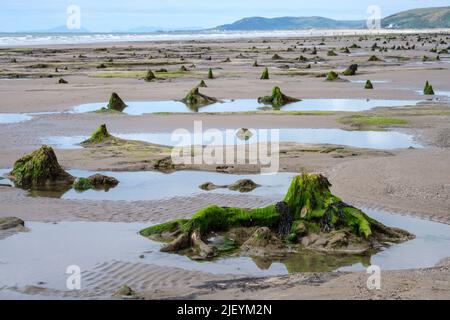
point(245, 185)
point(11, 223)
point(125, 292)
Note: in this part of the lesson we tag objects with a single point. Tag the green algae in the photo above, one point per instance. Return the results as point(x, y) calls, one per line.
point(82, 184)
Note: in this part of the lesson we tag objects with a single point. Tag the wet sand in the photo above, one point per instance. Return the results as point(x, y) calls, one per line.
point(414, 181)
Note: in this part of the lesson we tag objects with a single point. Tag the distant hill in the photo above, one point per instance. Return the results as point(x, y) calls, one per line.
point(419, 19)
point(289, 23)
point(416, 19)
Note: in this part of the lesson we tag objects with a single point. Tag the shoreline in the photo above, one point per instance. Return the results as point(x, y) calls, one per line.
point(205, 35)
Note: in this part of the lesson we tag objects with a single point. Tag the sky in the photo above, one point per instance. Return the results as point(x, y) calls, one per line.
point(112, 15)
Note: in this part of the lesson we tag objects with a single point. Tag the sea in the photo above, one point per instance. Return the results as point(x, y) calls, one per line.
point(42, 39)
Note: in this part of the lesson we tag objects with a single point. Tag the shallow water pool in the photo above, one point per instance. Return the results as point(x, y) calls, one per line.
point(358, 139)
point(44, 253)
point(152, 185)
point(246, 105)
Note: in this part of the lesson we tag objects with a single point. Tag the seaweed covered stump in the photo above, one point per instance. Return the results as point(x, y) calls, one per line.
point(116, 103)
point(309, 217)
point(277, 99)
point(194, 99)
point(40, 169)
point(99, 136)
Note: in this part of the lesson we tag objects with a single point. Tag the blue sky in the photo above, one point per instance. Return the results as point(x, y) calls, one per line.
point(108, 15)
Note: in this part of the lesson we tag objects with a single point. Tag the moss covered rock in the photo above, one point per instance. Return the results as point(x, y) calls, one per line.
point(116, 103)
point(202, 84)
point(332, 76)
point(210, 74)
point(149, 76)
point(309, 217)
point(428, 89)
point(243, 186)
point(368, 85)
point(96, 181)
point(99, 136)
point(11, 223)
point(39, 169)
point(195, 99)
point(374, 59)
point(277, 99)
point(351, 70)
point(265, 74)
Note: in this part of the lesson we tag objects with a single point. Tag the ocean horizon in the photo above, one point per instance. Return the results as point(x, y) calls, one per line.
point(36, 39)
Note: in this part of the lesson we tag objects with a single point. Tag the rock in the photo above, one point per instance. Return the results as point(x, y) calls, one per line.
point(202, 84)
point(116, 103)
point(277, 99)
point(244, 134)
point(351, 70)
point(150, 76)
point(374, 59)
point(208, 186)
point(99, 136)
point(100, 181)
point(40, 169)
point(368, 85)
point(245, 185)
point(62, 81)
point(210, 74)
point(332, 76)
point(194, 99)
point(96, 181)
point(82, 184)
point(164, 165)
point(263, 242)
point(428, 89)
point(125, 291)
point(265, 74)
point(276, 57)
point(10, 223)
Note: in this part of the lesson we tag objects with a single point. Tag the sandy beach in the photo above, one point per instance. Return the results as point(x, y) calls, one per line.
point(412, 181)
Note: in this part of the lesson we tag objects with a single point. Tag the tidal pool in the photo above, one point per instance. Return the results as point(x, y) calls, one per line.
point(21, 117)
point(43, 254)
point(151, 185)
point(358, 139)
point(14, 117)
point(246, 105)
